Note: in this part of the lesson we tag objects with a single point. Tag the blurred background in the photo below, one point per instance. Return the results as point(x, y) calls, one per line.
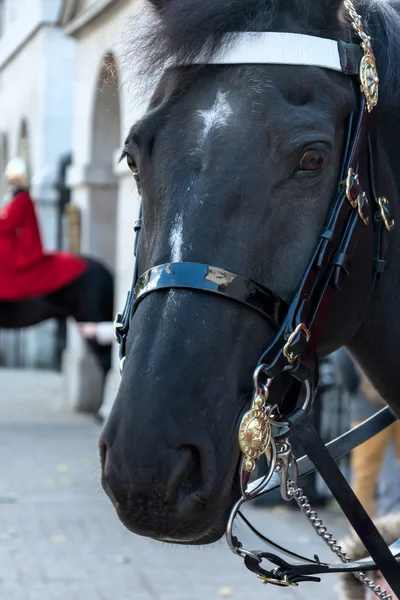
point(67, 101)
point(65, 108)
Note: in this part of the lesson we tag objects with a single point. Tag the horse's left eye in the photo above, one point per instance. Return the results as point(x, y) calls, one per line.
point(131, 164)
point(312, 160)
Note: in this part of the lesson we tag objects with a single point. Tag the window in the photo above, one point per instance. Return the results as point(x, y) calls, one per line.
point(2, 16)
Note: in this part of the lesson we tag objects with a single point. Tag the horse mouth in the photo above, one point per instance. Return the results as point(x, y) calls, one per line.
point(166, 524)
point(172, 531)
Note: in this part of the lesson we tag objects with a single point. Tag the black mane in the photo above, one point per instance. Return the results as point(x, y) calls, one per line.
point(382, 21)
point(178, 30)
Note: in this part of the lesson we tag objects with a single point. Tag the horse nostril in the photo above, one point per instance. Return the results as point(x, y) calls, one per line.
point(186, 477)
point(103, 453)
point(192, 476)
point(116, 489)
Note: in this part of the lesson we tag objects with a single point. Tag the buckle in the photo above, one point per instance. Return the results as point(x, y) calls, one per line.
point(118, 326)
point(290, 356)
point(119, 335)
point(385, 213)
point(352, 194)
point(363, 208)
point(284, 582)
point(121, 365)
point(357, 198)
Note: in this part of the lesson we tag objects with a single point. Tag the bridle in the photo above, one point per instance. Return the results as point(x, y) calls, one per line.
point(358, 220)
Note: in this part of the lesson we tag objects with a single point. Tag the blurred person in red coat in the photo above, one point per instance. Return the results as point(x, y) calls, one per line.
point(26, 270)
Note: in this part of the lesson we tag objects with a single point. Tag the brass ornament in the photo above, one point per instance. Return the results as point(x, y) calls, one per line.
point(368, 72)
point(369, 80)
point(249, 465)
point(254, 436)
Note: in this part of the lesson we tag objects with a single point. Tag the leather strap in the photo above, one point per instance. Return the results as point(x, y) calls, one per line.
point(283, 48)
point(306, 572)
point(350, 57)
point(298, 573)
point(206, 278)
point(122, 321)
point(275, 576)
point(340, 446)
point(329, 264)
point(364, 566)
point(312, 444)
point(375, 176)
point(313, 566)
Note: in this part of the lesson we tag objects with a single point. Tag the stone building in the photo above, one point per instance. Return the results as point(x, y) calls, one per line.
point(37, 65)
point(104, 109)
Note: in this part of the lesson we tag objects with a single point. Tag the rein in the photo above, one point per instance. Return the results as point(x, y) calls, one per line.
point(358, 220)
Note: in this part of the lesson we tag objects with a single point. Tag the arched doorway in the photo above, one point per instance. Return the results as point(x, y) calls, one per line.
point(106, 139)
point(97, 198)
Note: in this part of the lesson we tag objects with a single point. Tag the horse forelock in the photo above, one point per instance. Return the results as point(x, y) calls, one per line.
point(179, 30)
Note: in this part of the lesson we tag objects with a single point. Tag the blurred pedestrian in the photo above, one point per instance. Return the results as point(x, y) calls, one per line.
point(367, 459)
point(103, 332)
point(26, 269)
point(350, 588)
point(388, 499)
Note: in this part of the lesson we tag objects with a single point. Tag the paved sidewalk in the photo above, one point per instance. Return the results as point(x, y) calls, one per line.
point(60, 538)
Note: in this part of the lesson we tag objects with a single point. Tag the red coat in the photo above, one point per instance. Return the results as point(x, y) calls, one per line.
point(26, 271)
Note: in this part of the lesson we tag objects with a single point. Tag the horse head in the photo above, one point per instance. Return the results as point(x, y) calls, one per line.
point(237, 165)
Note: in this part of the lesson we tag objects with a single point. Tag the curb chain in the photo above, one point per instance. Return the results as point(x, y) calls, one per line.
point(318, 525)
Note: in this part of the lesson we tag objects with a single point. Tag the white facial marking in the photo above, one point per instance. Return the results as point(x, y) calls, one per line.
point(176, 239)
point(176, 243)
point(217, 116)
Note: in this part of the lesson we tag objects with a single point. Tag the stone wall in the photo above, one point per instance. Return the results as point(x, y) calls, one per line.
point(37, 63)
point(104, 191)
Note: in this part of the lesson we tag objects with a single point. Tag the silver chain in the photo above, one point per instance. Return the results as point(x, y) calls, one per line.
point(306, 508)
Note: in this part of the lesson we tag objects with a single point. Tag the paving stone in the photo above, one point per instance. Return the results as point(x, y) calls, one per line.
point(60, 538)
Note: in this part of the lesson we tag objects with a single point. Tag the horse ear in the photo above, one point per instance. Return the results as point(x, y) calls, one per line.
point(334, 6)
point(159, 4)
point(332, 11)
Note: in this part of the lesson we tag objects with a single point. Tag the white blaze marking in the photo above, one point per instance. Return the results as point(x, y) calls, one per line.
point(216, 116)
point(176, 239)
point(213, 118)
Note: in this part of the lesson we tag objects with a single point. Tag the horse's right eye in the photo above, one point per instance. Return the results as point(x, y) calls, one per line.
point(312, 160)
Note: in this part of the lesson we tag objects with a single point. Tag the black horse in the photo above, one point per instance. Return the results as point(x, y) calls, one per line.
point(237, 166)
point(89, 297)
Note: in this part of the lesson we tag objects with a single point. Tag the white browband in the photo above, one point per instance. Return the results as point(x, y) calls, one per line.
point(278, 49)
